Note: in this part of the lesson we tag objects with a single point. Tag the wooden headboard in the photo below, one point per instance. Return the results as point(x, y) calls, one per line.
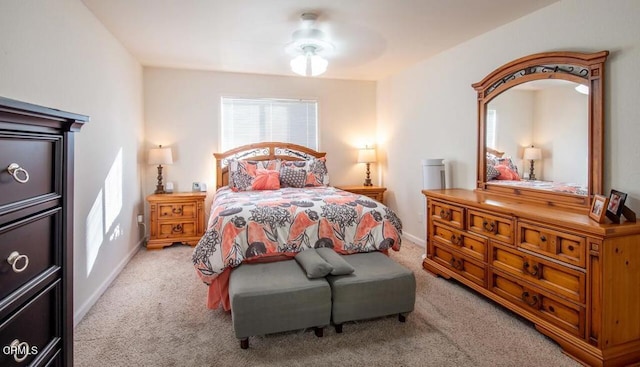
point(497, 153)
point(261, 152)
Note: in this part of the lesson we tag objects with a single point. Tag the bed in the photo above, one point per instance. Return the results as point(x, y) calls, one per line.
point(274, 200)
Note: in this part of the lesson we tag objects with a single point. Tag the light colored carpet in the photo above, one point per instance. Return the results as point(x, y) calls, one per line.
point(154, 314)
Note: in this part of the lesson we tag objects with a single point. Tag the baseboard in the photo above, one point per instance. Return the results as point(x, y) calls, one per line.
point(417, 240)
point(80, 313)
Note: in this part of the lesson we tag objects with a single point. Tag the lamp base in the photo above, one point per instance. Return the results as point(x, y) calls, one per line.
point(367, 181)
point(159, 185)
point(532, 176)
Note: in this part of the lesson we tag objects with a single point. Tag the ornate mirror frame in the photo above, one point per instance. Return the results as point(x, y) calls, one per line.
point(573, 66)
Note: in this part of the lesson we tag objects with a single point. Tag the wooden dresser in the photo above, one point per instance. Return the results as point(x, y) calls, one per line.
point(578, 281)
point(36, 234)
point(176, 217)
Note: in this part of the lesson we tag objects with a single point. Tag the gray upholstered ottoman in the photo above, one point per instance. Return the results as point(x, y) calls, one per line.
point(378, 287)
point(274, 297)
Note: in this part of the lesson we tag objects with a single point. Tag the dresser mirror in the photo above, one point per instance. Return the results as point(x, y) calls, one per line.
point(551, 102)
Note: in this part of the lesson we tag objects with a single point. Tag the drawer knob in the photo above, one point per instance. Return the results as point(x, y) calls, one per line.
point(18, 347)
point(527, 267)
point(16, 172)
point(456, 240)
point(445, 214)
point(490, 226)
point(543, 238)
point(456, 264)
point(14, 258)
point(529, 299)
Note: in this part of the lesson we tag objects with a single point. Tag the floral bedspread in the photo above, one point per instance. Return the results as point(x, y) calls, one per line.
point(248, 225)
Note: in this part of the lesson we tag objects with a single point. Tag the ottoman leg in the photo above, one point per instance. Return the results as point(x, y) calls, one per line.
point(319, 332)
point(338, 328)
point(244, 343)
point(402, 318)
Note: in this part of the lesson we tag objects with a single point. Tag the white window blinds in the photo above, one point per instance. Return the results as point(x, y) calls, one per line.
point(247, 121)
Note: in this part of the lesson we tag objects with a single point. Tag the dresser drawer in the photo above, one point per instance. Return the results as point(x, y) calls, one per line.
point(469, 269)
point(36, 325)
point(466, 243)
point(493, 226)
point(563, 246)
point(37, 157)
point(561, 280)
point(170, 229)
point(33, 239)
point(177, 210)
point(563, 314)
point(447, 213)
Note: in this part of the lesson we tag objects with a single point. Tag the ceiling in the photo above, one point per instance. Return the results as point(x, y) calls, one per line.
point(372, 38)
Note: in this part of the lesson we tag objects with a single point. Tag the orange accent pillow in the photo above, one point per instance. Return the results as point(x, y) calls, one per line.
point(266, 180)
point(506, 173)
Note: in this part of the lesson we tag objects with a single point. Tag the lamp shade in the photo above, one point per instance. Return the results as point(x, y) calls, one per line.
point(532, 154)
point(367, 155)
point(160, 156)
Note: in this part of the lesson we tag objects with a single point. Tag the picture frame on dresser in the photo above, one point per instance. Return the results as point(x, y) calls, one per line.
point(599, 207)
point(616, 202)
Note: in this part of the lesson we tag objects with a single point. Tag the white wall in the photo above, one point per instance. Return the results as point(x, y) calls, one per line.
point(57, 54)
point(182, 110)
point(429, 110)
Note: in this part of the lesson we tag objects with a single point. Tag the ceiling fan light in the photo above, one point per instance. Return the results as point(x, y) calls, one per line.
point(318, 65)
point(309, 64)
point(299, 65)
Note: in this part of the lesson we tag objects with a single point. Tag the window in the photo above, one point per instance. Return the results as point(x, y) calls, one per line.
point(247, 121)
point(491, 128)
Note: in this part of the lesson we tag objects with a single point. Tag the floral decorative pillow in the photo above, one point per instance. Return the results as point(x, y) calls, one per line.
point(506, 173)
point(315, 170)
point(242, 174)
point(266, 179)
point(507, 162)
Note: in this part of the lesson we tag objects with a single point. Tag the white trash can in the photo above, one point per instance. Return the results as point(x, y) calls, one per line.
point(433, 174)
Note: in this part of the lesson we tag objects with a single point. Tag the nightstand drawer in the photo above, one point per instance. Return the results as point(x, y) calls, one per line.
point(35, 157)
point(170, 229)
point(177, 210)
point(32, 244)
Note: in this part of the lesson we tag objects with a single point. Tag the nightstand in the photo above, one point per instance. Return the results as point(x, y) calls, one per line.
point(374, 192)
point(176, 217)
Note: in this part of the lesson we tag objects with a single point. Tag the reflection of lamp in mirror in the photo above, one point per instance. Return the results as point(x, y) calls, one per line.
point(367, 155)
point(532, 154)
point(160, 156)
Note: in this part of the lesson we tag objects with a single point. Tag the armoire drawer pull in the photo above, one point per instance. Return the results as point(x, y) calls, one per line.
point(17, 347)
point(177, 228)
point(16, 171)
point(456, 264)
point(13, 260)
point(177, 211)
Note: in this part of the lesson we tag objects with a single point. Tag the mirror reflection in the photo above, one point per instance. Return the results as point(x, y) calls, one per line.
point(552, 117)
